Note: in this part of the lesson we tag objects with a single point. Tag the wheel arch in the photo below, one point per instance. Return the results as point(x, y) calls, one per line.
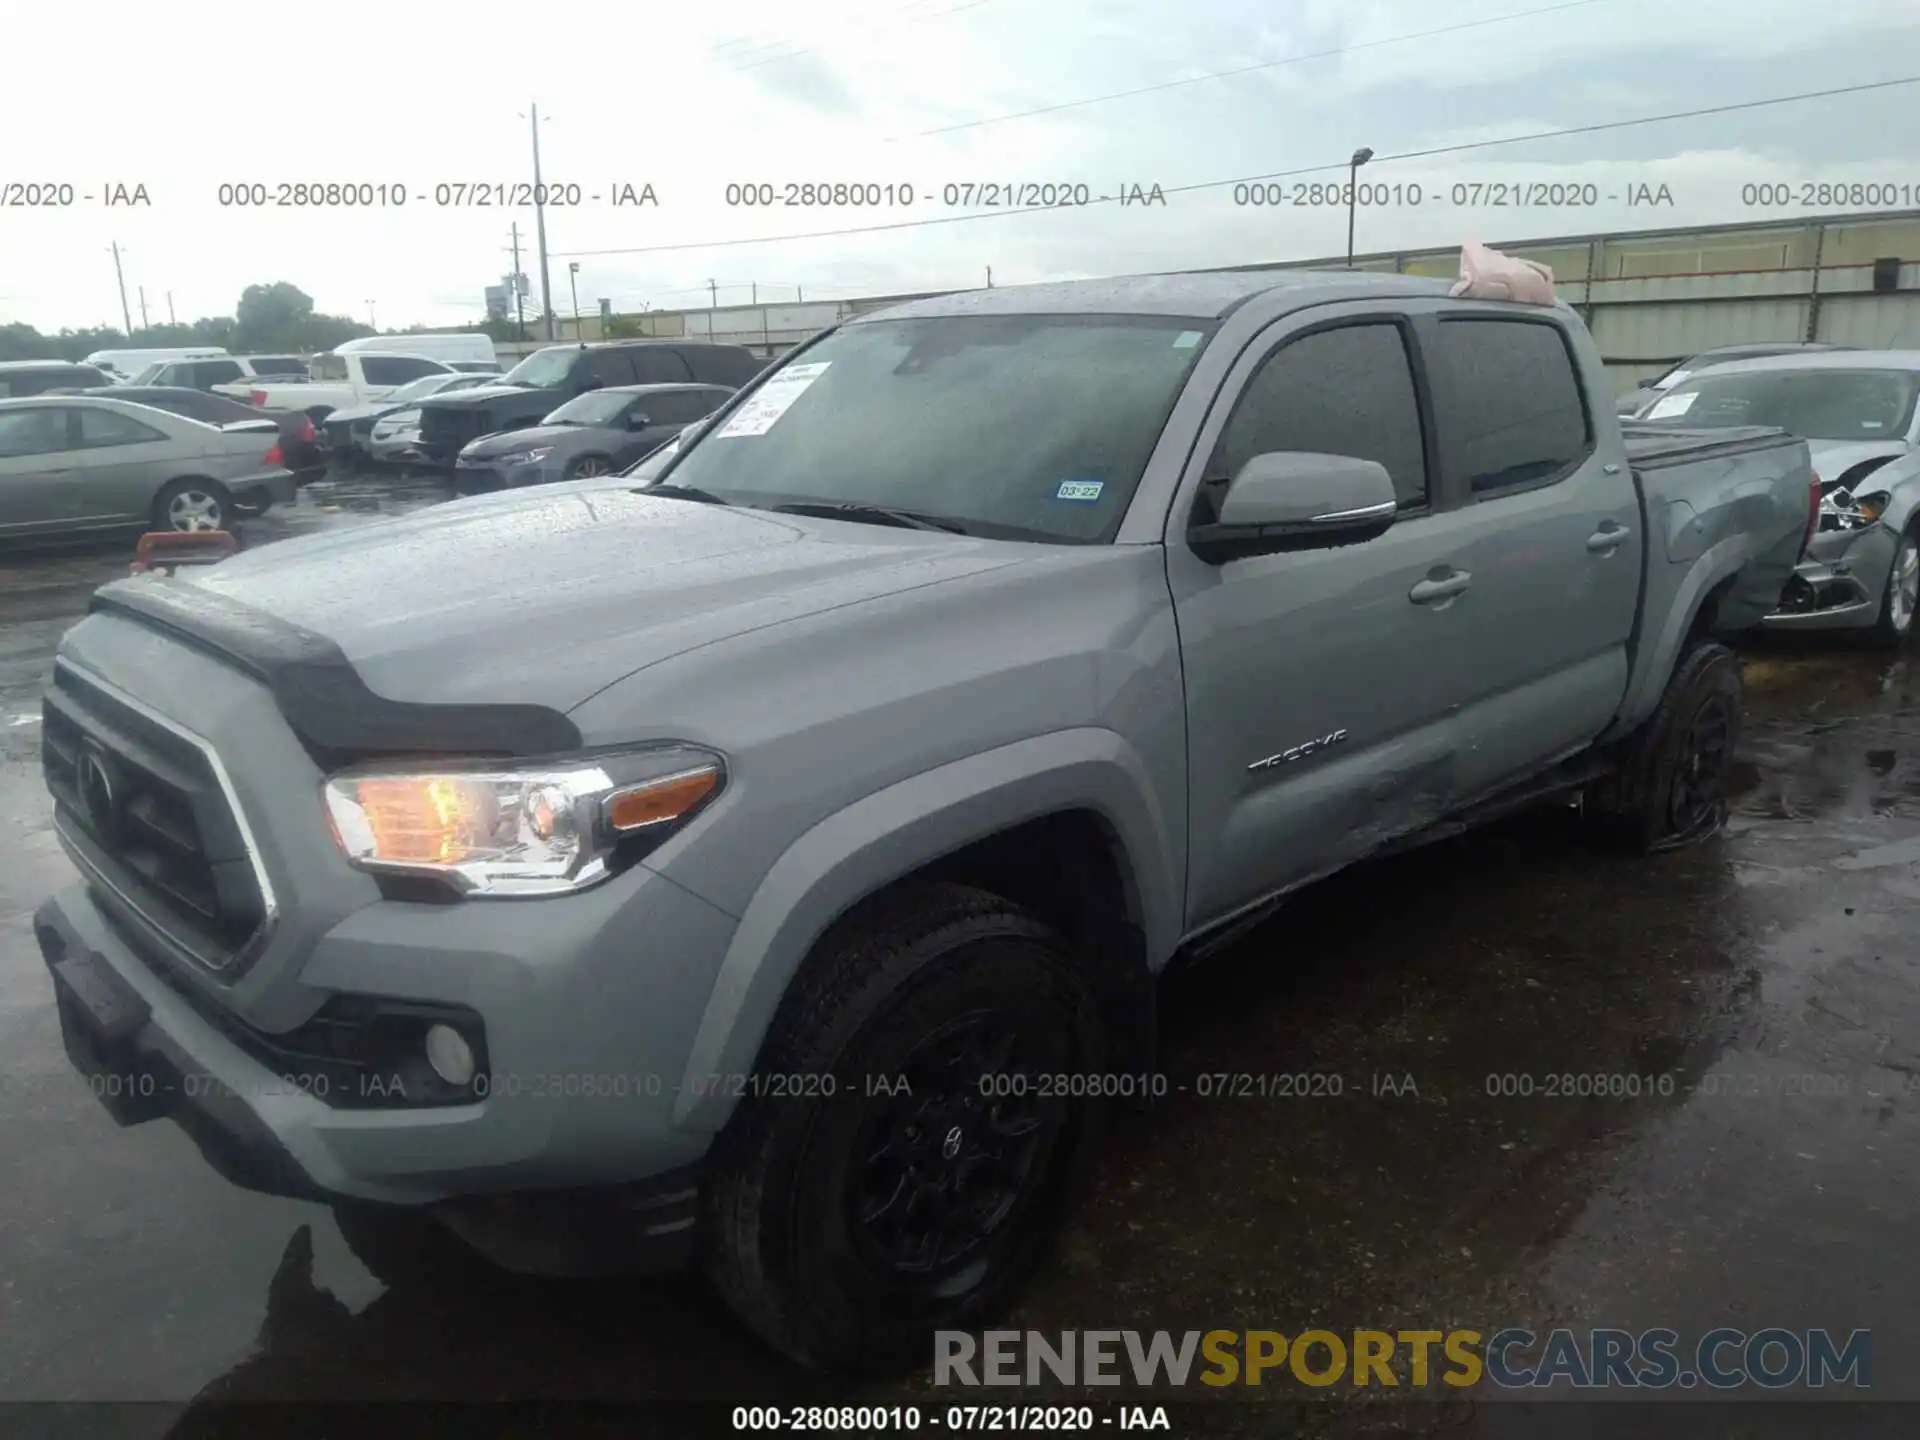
point(1064, 824)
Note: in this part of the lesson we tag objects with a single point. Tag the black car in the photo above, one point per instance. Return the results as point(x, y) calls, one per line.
point(548, 378)
point(299, 445)
point(597, 433)
point(36, 377)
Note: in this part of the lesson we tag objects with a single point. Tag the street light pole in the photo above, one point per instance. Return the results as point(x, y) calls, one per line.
point(540, 226)
point(1360, 157)
point(573, 286)
point(120, 275)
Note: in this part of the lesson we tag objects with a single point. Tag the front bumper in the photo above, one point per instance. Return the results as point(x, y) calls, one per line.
point(147, 1053)
point(1840, 583)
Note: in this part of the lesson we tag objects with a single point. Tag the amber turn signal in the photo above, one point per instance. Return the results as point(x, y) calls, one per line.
point(659, 800)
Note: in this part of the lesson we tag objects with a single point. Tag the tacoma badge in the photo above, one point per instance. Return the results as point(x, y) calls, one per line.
point(1300, 751)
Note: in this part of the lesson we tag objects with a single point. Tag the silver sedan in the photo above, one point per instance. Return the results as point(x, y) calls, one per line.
point(1859, 412)
point(73, 463)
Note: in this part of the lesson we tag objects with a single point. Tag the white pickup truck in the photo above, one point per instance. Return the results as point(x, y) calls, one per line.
point(338, 382)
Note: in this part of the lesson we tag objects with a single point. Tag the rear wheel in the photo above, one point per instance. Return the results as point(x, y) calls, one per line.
point(1902, 596)
point(1671, 789)
point(846, 1227)
point(189, 505)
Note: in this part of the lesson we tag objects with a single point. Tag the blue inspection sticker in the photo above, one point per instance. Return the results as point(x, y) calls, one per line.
point(1084, 491)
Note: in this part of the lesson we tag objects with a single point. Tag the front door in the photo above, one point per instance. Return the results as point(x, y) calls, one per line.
point(1321, 684)
point(38, 461)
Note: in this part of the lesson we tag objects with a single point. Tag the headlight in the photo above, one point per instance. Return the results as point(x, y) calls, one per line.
point(511, 831)
point(527, 457)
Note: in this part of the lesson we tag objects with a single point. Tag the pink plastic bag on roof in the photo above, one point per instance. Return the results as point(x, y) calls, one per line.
point(1488, 275)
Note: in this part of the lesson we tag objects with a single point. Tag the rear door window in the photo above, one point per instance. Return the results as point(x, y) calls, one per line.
point(658, 365)
point(102, 428)
point(216, 372)
point(1512, 412)
point(398, 369)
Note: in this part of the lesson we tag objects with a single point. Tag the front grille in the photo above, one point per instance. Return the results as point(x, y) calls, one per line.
point(444, 429)
point(144, 805)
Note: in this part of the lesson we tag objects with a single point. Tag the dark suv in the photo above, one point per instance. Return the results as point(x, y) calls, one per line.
point(548, 378)
point(36, 377)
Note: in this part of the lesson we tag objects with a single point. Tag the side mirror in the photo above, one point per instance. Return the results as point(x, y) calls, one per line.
point(638, 420)
point(1295, 500)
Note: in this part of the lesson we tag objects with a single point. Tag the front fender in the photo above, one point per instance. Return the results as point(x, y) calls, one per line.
point(892, 832)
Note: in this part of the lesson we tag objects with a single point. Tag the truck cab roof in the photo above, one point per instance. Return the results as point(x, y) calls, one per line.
point(1202, 296)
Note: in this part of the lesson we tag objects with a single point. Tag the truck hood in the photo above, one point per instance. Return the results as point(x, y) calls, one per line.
point(479, 395)
point(1833, 458)
point(547, 596)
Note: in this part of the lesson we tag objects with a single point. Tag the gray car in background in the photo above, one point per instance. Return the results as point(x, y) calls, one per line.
point(73, 463)
point(598, 433)
point(1642, 398)
point(1859, 412)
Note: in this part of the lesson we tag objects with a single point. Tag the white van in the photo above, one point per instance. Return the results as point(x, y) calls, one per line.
point(457, 352)
point(126, 364)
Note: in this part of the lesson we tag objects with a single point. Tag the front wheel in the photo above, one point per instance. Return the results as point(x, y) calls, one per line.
point(588, 466)
point(1671, 787)
point(191, 505)
point(845, 1227)
point(1902, 594)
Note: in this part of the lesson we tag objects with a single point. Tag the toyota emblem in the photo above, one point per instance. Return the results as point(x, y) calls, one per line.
point(98, 799)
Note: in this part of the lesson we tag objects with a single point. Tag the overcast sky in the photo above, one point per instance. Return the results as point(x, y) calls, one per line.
point(919, 93)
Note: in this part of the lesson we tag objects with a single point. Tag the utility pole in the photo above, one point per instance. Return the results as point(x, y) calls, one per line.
point(143, 308)
point(120, 275)
point(540, 227)
point(573, 287)
point(519, 299)
point(170, 319)
point(989, 277)
point(713, 296)
point(756, 292)
point(370, 320)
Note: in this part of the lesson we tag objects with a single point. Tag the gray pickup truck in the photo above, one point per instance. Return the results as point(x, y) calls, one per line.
point(768, 859)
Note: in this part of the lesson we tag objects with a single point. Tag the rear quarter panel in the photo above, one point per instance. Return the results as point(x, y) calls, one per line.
point(1726, 523)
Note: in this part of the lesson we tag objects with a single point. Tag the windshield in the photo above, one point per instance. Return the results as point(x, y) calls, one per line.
point(1022, 426)
point(597, 407)
point(544, 369)
point(1813, 404)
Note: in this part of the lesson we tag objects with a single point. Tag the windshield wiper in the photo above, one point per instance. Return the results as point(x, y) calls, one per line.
point(876, 514)
point(682, 492)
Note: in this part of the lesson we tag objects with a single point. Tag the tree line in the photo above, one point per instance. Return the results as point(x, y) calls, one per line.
point(269, 319)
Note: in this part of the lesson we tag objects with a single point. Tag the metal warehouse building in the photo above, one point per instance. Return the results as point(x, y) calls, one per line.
point(1651, 298)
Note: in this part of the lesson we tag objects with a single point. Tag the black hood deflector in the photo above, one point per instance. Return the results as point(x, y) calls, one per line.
point(316, 687)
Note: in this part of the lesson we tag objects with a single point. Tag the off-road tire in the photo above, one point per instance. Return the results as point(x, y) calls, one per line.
point(783, 1243)
point(1634, 808)
point(1890, 628)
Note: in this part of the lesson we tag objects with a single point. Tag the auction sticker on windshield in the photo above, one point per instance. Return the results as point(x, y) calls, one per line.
point(1668, 406)
point(772, 400)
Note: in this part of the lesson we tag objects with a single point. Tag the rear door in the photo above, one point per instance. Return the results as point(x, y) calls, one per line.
point(1344, 651)
point(37, 460)
point(1551, 535)
point(121, 465)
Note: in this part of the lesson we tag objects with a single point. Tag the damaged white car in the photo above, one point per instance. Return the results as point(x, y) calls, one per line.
point(1856, 409)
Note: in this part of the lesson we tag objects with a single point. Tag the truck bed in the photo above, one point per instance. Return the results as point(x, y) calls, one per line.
point(1652, 444)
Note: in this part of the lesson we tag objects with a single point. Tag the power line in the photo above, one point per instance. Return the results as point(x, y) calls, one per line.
point(1271, 175)
point(755, 61)
point(1260, 65)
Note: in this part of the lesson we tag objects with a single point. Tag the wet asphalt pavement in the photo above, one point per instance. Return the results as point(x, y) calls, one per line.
point(1771, 975)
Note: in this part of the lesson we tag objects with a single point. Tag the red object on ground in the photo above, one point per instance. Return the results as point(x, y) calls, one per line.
point(164, 549)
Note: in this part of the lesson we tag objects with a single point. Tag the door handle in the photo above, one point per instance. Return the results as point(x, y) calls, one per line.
point(1608, 538)
point(1434, 591)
